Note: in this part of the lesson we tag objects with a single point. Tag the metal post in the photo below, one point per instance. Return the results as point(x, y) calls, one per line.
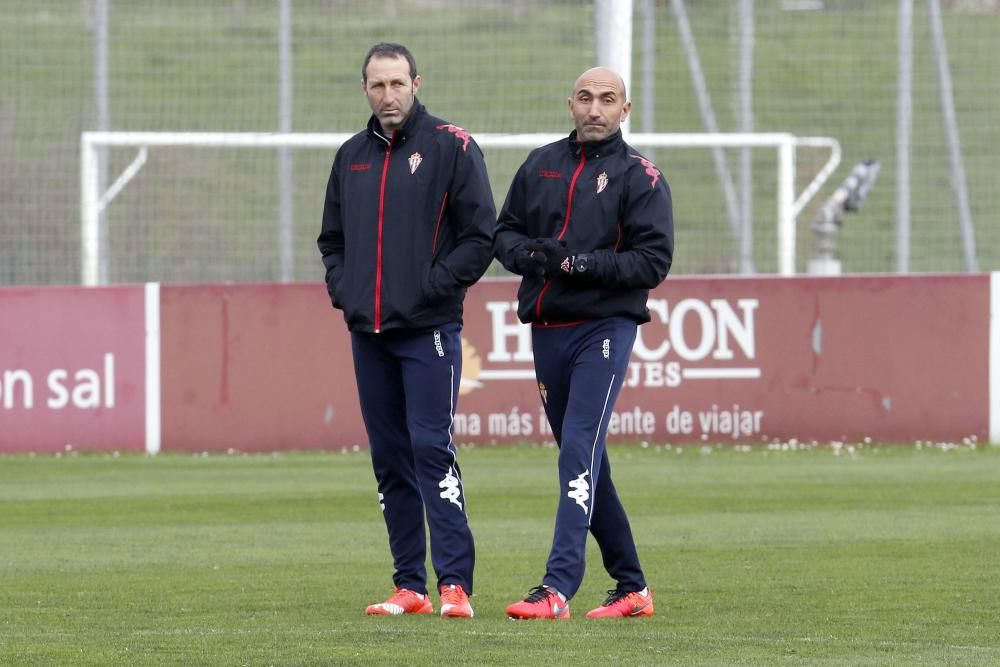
point(613, 40)
point(90, 249)
point(707, 114)
point(649, 68)
point(103, 123)
point(904, 131)
point(957, 171)
point(286, 221)
point(745, 106)
point(786, 200)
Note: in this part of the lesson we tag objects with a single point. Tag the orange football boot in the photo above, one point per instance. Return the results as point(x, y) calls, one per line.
point(621, 604)
point(454, 602)
point(402, 601)
point(541, 602)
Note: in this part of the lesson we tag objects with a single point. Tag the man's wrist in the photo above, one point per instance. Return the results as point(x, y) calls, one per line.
point(583, 264)
point(573, 265)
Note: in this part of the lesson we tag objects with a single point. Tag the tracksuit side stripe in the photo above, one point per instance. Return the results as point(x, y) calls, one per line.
point(593, 448)
point(451, 408)
point(451, 443)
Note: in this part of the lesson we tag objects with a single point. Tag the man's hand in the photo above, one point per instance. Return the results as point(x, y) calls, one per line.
point(560, 260)
point(529, 260)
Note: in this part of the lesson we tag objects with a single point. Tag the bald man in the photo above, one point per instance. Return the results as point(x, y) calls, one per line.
point(588, 224)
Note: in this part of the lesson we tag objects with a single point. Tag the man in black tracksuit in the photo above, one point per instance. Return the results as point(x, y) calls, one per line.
point(588, 223)
point(407, 227)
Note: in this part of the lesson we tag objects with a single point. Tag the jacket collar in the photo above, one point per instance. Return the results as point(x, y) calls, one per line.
point(595, 149)
point(417, 111)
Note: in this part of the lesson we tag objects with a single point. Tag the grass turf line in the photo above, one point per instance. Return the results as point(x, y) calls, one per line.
point(886, 555)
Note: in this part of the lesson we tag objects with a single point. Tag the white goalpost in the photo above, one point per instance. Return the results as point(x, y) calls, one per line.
point(93, 201)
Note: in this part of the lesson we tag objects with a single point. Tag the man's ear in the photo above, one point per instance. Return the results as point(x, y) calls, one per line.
point(416, 84)
point(625, 109)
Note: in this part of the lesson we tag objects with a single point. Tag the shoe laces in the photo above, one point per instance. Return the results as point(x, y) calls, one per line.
point(537, 594)
point(403, 595)
point(452, 594)
point(614, 595)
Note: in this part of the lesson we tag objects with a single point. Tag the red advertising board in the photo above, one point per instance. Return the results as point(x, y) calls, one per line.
point(723, 360)
point(255, 368)
point(730, 359)
point(269, 367)
point(72, 369)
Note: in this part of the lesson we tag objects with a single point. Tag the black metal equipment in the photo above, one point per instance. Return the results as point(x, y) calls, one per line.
point(830, 218)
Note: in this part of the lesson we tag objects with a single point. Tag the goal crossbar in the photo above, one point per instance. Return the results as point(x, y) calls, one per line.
point(93, 201)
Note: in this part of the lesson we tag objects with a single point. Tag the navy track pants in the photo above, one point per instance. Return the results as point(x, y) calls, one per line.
point(408, 385)
point(580, 370)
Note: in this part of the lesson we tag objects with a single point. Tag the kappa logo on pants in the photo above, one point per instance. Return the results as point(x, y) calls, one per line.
point(606, 348)
point(580, 490)
point(438, 347)
point(381, 501)
point(451, 489)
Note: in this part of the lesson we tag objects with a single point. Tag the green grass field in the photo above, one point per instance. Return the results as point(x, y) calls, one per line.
point(883, 555)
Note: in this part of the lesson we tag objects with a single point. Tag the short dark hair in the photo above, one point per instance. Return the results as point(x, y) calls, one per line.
point(389, 50)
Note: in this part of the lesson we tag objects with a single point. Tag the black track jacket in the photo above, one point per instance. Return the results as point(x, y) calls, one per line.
point(408, 224)
point(600, 197)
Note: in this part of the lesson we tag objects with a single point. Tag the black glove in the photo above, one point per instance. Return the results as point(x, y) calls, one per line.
point(529, 260)
point(561, 261)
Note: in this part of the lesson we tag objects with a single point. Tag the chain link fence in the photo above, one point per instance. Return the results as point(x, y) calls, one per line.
point(808, 67)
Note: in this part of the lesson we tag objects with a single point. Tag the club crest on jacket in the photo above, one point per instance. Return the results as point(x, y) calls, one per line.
point(414, 161)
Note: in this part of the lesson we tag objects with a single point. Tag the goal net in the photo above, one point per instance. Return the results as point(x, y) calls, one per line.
point(246, 207)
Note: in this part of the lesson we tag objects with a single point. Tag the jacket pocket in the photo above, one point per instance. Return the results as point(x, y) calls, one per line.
point(430, 292)
point(337, 295)
point(332, 287)
point(337, 287)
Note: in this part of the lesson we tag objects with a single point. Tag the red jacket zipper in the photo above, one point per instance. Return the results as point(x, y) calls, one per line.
point(378, 252)
point(562, 232)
